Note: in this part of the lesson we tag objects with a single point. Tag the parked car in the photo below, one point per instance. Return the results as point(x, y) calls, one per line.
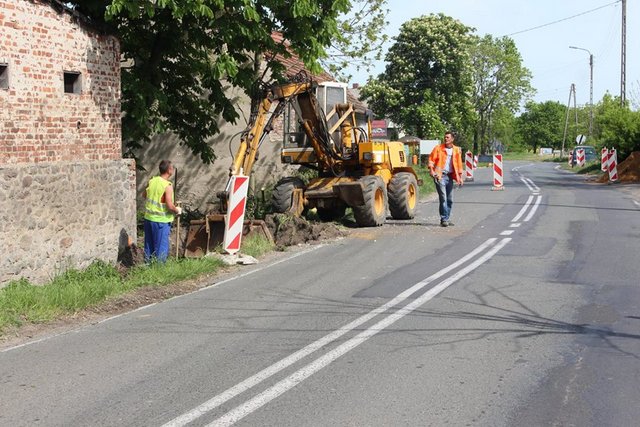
point(590, 154)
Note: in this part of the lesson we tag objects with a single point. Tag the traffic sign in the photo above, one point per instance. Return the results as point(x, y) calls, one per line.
point(580, 139)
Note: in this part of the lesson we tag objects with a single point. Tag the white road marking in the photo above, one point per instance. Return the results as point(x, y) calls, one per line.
point(256, 379)
point(523, 210)
point(507, 232)
point(515, 225)
point(533, 209)
point(523, 179)
point(144, 307)
point(533, 185)
point(297, 377)
point(637, 203)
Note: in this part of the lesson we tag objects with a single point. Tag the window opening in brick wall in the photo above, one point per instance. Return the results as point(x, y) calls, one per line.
point(4, 76)
point(72, 82)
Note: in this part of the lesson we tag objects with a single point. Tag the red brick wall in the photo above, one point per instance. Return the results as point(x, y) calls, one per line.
point(38, 121)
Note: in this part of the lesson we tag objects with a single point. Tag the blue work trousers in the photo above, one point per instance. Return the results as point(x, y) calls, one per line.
point(156, 241)
point(445, 193)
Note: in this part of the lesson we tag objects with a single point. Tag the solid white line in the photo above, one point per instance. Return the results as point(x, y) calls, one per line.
point(533, 209)
point(144, 307)
point(526, 183)
point(533, 184)
point(507, 232)
point(297, 377)
point(523, 210)
point(256, 379)
point(515, 225)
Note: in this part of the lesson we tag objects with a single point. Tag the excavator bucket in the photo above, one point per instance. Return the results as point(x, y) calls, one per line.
point(206, 235)
point(297, 202)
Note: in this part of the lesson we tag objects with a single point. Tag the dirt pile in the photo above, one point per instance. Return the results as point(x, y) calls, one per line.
point(628, 171)
point(290, 230)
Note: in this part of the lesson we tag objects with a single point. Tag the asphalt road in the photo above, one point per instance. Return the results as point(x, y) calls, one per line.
point(527, 312)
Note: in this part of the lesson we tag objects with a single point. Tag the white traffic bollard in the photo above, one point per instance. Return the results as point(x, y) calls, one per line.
point(234, 219)
point(468, 166)
point(498, 173)
point(613, 165)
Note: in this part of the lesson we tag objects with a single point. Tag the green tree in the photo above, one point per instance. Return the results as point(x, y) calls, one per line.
point(426, 85)
point(617, 126)
point(182, 57)
point(541, 124)
point(500, 82)
point(360, 39)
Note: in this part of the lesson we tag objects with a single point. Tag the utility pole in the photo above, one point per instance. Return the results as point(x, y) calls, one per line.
point(572, 91)
point(623, 55)
point(590, 87)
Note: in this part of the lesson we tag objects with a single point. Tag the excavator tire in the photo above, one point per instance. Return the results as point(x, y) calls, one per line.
point(281, 199)
point(374, 211)
point(403, 195)
point(331, 214)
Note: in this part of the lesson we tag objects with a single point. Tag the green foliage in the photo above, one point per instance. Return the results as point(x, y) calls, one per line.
point(617, 126)
point(426, 85)
point(75, 290)
point(360, 38)
point(256, 245)
point(541, 124)
point(500, 84)
point(183, 57)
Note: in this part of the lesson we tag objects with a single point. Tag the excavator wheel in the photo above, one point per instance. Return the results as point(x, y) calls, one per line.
point(374, 210)
point(282, 198)
point(331, 214)
point(403, 195)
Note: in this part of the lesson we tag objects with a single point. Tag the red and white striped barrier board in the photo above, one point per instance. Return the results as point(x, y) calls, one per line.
point(613, 165)
point(580, 156)
point(234, 219)
point(604, 160)
point(570, 161)
point(468, 166)
point(498, 172)
point(475, 162)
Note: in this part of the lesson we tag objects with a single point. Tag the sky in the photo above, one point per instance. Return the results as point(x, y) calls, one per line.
point(545, 51)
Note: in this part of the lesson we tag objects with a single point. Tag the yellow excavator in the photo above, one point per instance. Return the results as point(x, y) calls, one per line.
point(353, 170)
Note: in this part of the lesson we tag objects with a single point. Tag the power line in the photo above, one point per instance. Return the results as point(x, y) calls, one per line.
point(563, 19)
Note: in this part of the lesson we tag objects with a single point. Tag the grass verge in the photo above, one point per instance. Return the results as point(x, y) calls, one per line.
point(428, 186)
point(74, 290)
point(591, 168)
point(256, 245)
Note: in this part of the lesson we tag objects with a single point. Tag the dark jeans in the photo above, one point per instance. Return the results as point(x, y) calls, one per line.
point(445, 194)
point(156, 240)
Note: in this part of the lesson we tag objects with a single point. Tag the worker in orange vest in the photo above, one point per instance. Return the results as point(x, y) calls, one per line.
point(445, 166)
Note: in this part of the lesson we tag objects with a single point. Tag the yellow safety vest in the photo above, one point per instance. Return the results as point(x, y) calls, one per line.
point(155, 208)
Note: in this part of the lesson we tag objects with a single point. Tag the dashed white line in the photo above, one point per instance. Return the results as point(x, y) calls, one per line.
point(266, 373)
point(515, 225)
point(300, 375)
point(507, 232)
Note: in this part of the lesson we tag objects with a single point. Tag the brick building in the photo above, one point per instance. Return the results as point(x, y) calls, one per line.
point(66, 195)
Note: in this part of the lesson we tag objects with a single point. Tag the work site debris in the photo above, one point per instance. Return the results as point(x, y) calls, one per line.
point(628, 171)
point(290, 230)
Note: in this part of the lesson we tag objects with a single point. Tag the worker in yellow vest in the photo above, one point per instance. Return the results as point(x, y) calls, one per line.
point(158, 214)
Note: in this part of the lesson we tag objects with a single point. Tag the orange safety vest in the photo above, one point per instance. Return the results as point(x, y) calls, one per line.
point(438, 157)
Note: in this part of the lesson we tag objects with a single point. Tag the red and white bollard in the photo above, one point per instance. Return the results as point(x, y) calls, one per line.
point(234, 219)
point(613, 165)
point(468, 166)
point(580, 156)
point(498, 173)
point(475, 162)
point(604, 160)
point(570, 161)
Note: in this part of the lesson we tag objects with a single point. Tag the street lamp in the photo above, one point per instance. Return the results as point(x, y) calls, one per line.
point(590, 86)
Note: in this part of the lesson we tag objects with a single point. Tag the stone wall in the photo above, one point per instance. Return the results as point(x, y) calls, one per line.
point(55, 216)
point(39, 121)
